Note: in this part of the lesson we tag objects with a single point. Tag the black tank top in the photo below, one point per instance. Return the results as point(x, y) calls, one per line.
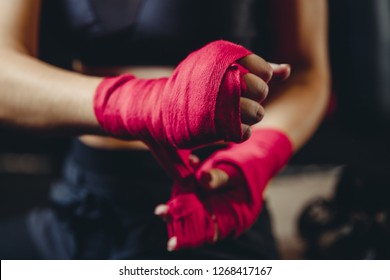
point(147, 32)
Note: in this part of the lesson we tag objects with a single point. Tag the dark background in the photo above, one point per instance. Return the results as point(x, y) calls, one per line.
point(354, 132)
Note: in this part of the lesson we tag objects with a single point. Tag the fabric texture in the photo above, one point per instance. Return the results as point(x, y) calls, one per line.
point(102, 211)
point(180, 111)
point(233, 209)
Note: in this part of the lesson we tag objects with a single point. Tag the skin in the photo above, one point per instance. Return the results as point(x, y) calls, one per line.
point(42, 98)
point(302, 98)
point(46, 99)
point(297, 105)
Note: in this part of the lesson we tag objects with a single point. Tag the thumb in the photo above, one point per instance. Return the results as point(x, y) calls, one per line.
point(214, 178)
point(280, 71)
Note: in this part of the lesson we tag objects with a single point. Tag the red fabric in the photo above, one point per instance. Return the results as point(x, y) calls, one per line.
point(235, 208)
point(198, 104)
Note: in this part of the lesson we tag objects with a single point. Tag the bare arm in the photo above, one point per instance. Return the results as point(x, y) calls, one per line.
point(33, 94)
point(297, 106)
point(40, 97)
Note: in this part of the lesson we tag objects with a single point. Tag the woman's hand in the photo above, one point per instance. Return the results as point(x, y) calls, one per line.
point(196, 217)
point(260, 73)
point(213, 94)
point(212, 178)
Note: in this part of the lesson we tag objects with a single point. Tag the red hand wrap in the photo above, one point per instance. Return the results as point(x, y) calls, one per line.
point(250, 166)
point(182, 111)
point(190, 221)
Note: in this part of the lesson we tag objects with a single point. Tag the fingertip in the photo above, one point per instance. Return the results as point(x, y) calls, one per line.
point(260, 113)
point(287, 71)
point(161, 210)
point(218, 178)
point(172, 244)
point(246, 132)
point(193, 160)
point(214, 182)
point(281, 71)
point(279, 66)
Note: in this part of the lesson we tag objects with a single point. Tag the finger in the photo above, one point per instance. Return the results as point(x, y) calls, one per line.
point(251, 111)
point(172, 244)
point(246, 131)
point(194, 161)
point(256, 88)
point(214, 178)
point(258, 66)
point(280, 71)
point(162, 210)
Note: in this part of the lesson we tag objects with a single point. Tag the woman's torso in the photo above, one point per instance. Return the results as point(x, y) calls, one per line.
point(145, 37)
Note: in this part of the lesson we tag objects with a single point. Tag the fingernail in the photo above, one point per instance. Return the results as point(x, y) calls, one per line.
point(157, 210)
point(172, 243)
point(193, 159)
point(160, 209)
point(275, 66)
point(247, 133)
point(259, 115)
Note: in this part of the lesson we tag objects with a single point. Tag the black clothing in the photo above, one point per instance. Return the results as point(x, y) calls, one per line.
point(103, 209)
point(103, 206)
point(150, 32)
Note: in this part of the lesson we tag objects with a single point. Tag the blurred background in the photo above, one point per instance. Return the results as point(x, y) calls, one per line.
point(332, 200)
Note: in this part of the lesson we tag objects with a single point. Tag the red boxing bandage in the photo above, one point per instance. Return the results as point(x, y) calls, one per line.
point(235, 208)
point(197, 105)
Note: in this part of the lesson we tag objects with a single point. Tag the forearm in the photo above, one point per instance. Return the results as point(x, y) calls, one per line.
point(297, 106)
point(40, 97)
